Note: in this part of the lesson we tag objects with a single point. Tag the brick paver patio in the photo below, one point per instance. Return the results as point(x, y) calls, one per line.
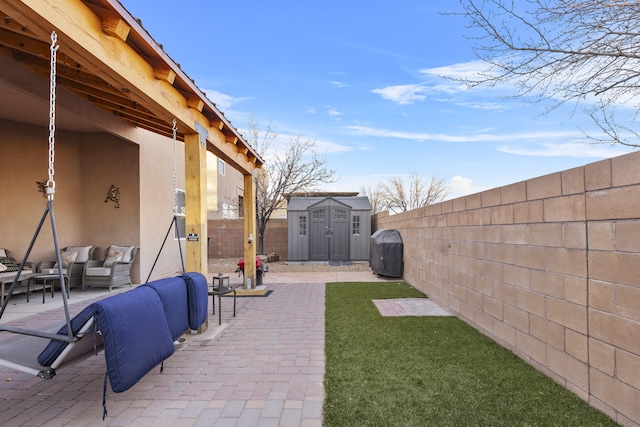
point(264, 367)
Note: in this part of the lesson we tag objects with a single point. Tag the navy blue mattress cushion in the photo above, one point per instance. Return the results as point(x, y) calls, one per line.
point(135, 334)
point(53, 350)
point(173, 294)
point(198, 292)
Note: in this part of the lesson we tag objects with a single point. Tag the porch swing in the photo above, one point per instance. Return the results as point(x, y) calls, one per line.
point(137, 329)
point(21, 351)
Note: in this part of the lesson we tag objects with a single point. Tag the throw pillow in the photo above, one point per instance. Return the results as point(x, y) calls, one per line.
point(3, 267)
point(67, 258)
point(113, 257)
point(3, 253)
point(125, 255)
point(83, 252)
point(10, 263)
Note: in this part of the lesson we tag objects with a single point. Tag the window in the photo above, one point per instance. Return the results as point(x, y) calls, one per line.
point(180, 212)
point(221, 166)
point(227, 211)
point(302, 226)
point(355, 225)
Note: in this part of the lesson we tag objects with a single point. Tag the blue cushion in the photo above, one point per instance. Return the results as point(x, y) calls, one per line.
point(198, 292)
point(53, 350)
point(173, 294)
point(135, 333)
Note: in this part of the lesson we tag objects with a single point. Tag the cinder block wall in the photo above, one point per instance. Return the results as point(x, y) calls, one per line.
point(549, 268)
point(226, 238)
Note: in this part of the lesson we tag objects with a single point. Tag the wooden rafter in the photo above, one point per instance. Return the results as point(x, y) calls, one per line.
point(146, 88)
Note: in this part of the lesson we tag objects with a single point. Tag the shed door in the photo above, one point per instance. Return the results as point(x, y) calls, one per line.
point(318, 248)
point(339, 231)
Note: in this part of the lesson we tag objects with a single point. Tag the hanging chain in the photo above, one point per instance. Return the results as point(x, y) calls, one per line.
point(51, 184)
point(175, 177)
point(175, 161)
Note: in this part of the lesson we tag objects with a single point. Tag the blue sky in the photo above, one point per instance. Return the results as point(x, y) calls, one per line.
point(364, 80)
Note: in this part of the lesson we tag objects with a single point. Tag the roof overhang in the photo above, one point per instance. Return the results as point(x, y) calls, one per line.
point(107, 58)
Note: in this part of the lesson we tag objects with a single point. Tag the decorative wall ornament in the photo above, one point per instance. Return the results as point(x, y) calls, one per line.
point(42, 187)
point(113, 195)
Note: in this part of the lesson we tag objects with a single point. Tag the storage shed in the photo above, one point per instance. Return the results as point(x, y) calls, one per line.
point(329, 228)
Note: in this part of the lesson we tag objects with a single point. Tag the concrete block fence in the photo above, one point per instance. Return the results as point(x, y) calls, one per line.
point(549, 268)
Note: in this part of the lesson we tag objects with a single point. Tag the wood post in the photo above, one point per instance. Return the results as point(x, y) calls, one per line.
point(250, 238)
point(196, 203)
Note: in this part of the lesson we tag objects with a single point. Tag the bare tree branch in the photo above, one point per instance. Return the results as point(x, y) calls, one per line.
point(584, 52)
point(292, 166)
point(400, 195)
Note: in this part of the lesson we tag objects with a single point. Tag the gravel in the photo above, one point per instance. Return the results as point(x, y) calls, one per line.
point(228, 265)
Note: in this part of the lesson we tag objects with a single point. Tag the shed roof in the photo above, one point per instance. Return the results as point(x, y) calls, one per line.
point(303, 203)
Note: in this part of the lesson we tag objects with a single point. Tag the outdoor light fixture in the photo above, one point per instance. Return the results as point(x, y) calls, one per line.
point(250, 239)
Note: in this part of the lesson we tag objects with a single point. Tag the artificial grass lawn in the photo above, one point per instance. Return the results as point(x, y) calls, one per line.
point(430, 371)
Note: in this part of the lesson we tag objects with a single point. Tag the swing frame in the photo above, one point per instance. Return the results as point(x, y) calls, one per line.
point(50, 189)
point(174, 221)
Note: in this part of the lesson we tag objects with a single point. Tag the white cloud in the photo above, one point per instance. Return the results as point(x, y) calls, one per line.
point(475, 105)
point(472, 137)
point(333, 112)
point(402, 94)
point(464, 71)
point(339, 84)
point(567, 149)
point(461, 186)
point(448, 80)
point(222, 100)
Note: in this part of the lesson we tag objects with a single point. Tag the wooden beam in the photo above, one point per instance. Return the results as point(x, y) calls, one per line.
point(120, 65)
point(196, 203)
point(195, 103)
point(250, 237)
point(27, 24)
point(111, 22)
point(164, 73)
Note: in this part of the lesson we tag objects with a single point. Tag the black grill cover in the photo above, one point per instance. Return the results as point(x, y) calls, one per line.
point(385, 256)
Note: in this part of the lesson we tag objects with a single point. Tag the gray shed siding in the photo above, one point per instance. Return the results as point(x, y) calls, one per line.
point(358, 227)
point(298, 239)
point(359, 244)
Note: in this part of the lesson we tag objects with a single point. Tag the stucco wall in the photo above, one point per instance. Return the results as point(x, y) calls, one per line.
point(86, 165)
point(549, 268)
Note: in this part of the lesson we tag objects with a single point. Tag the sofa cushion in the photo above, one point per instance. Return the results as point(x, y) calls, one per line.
point(198, 291)
point(11, 274)
point(135, 334)
point(52, 351)
point(98, 271)
point(173, 294)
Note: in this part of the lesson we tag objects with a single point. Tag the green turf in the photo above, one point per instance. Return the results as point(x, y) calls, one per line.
point(430, 371)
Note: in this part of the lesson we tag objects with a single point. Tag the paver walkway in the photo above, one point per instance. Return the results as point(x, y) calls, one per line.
point(264, 367)
point(410, 307)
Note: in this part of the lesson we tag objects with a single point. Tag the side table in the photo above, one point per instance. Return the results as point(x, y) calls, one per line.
point(220, 289)
point(49, 280)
